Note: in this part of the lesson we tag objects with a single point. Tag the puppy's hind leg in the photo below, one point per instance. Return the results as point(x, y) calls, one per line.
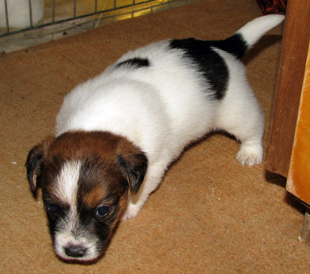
point(250, 152)
point(242, 117)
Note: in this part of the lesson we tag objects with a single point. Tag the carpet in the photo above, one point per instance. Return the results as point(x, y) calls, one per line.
point(210, 215)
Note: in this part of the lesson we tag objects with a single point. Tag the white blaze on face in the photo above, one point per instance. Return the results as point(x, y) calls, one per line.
point(67, 184)
point(66, 191)
point(68, 230)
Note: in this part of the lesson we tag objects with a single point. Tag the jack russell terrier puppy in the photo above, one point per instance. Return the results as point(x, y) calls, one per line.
point(116, 134)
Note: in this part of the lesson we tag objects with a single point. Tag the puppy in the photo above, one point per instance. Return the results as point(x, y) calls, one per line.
point(117, 133)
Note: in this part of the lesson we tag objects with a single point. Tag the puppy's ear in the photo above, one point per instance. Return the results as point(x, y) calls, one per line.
point(34, 160)
point(133, 164)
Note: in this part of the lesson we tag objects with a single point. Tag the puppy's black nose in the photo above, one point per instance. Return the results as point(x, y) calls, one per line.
point(75, 251)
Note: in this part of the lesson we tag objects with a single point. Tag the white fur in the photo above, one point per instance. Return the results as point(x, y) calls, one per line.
point(164, 107)
point(69, 230)
point(18, 13)
point(255, 29)
point(65, 238)
point(67, 183)
point(66, 191)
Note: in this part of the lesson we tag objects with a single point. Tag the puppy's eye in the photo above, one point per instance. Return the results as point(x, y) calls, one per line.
point(102, 211)
point(52, 208)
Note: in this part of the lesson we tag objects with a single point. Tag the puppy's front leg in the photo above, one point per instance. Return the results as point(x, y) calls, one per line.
point(152, 180)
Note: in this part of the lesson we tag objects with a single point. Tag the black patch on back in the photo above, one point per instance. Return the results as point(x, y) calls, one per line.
point(134, 63)
point(234, 45)
point(210, 63)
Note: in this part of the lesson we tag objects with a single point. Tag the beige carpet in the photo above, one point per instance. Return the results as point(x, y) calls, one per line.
point(210, 215)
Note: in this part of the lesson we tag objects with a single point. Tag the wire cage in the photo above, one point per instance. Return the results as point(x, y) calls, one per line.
point(22, 15)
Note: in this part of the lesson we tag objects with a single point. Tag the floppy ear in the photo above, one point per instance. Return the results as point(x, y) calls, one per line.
point(133, 166)
point(34, 160)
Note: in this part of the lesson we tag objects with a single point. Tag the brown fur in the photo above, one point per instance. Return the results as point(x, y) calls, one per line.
point(110, 166)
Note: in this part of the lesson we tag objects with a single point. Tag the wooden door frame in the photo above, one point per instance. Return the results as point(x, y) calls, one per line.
point(289, 84)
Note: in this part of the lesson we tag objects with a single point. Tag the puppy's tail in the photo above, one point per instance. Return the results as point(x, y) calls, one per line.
point(250, 33)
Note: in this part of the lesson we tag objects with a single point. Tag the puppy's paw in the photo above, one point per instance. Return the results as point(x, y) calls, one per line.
point(131, 212)
point(250, 155)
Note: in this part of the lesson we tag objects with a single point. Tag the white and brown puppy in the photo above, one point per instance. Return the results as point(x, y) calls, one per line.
point(117, 133)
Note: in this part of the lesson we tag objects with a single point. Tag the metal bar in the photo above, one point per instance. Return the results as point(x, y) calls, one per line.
point(30, 13)
point(6, 16)
point(305, 233)
point(74, 8)
point(53, 11)
point(96, 5)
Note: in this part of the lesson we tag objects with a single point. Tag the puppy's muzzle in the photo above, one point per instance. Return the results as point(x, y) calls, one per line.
point(75, 251)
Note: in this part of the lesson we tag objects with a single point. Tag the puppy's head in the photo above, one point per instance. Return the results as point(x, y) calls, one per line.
point(85, 179)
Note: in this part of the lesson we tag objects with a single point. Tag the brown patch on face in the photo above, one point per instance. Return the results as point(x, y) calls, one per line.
point(94, 197)
point(110, 166)
point(34, 160)
point(102, 154)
